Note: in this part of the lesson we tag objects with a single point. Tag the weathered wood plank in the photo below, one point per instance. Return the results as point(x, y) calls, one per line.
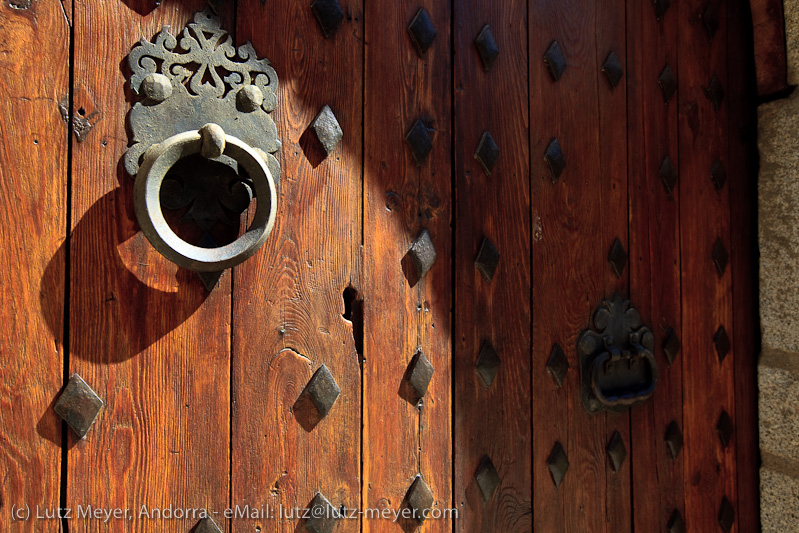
point(768, 23)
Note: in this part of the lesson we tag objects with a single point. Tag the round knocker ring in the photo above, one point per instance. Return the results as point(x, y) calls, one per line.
point(210, 141)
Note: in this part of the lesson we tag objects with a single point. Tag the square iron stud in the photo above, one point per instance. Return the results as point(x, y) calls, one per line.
point(710, 20)
point(422, 31)
point(488, 364)
point(422, 254)
point(327, 129)
point(329, 15)
point(719, 175)
point(487, 478)
point(674, 439)
point(668, 83)
point(418, 138)
point(419, 499)
point(724, 428)
point(557, 365)
point(617, 258)
point(486, 47)
point(671, 346)
point(558, 463)
point(555, 61)
point(722, 342)
point(612, 69)
point(487, 259)
point(78, 405)
point(616, 451)
point(419, 373)
point(554, 159)
point(322, 515)
point(661, 6)
point(487, 153)
point(726, 515)
point(715, 92)
point(322, 390)
point(720, 256)
point(206, 525)
point(668, 175)
point(676, 523)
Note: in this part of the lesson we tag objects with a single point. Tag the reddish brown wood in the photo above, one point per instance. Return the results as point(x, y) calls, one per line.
point(768, 22)
point(33, 185)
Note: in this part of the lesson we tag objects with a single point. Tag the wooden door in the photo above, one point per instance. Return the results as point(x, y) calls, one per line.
point(552, 153)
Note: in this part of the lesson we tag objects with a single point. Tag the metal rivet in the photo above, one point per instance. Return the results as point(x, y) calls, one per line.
point(674, 439)
point(78, 405)
point(418, 138)
point(329, 15)
point(210, 279)
point(671, 346)
point(156, 87)
point(726, 515)
point(419, 499)
point(206, 525)
point(417, 376)
point(668, 175)
point(715, 92)
point(676, 523)
point(321, 516)
point(322, 390)
point(719, 175)
point(422, 31)
point(249, 98)
point(616, 451)
point(486, 47)
point(327, 129)
point(612, 69)
point(558, 463)
point(487, 153)
point(557, 365)
point(213, 141)
point(661, 6)
point(724, 428)
point(487, 478)
point(488, 364)
point(555, 159)
point(668, 83)
point(487, 259)
point(555, 60)
point(422, 253)
point(617, 257)
point(722, 342)
point(710, 20)
point(720, 256)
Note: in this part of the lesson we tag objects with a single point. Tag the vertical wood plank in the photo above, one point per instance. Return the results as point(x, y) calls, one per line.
point(289, 309)
point(143, 334)
point(33, 185)
point(493, 421)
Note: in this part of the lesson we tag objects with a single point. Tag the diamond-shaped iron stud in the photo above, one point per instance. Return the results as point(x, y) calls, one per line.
point(616, 451)
point(487, 478)
point(418, 138)
point(715, 92)
point(555, 159)
point(668, 83)
point(487, 152)
point(710, 20)
point(719, 175)
point(726, 515)
point(488, 364)
point(557, 365)
point(558, 463)
point(676, 523)
point(419, 499)
point(78, 405)
point(555, 61)
point(671, 346)
point(322, 390)
point(322, 515)
point(668, 175)
point(419, 373)
point(487, 259)
point(206, 525)
point(329, 15)
point(327, 129)
point(422, 253)
point(724, 428)
point(486, 47)
point(617, 258)
point(720, 256)
point(422, 31)
point(674, 439)
point(612, 69)
point(722, 343)
point(661, 6)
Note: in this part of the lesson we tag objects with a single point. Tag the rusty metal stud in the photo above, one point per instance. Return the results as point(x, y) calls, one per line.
point(487, 259)
point(418, 376)
point(726, 515)
point(724, 428)
point(722, 342)
point(329, 15)
point(671, 346)
point(321, 516)
point(422, 254)
point(555, 159)
point(558, 463)
point(616, 451)
point(488, 364)
point(674, 439)
point(668, 175)
point(676, 523)
point(710, 20)
point(555, 60)
point(487, 153)
point(557, 365)
point(327, 129)
point(487, 478)
point(486, 47)
point(612, 69)
point(617, 257)
point(668, 83)
point(422, 31)
point(418, 138)
point(661, 6)
point(720, 256)
point(719, 175)
point(322, 390)
point(419, 499)
point(206, 525)
point(715, 92)
point(78, 405)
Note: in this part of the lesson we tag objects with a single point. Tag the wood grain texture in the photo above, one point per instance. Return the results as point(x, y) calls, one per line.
point(143, 334)
point(404, 314)
point(493, 421)
point(33, 185)
point(771, 63)
point(288, 315)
